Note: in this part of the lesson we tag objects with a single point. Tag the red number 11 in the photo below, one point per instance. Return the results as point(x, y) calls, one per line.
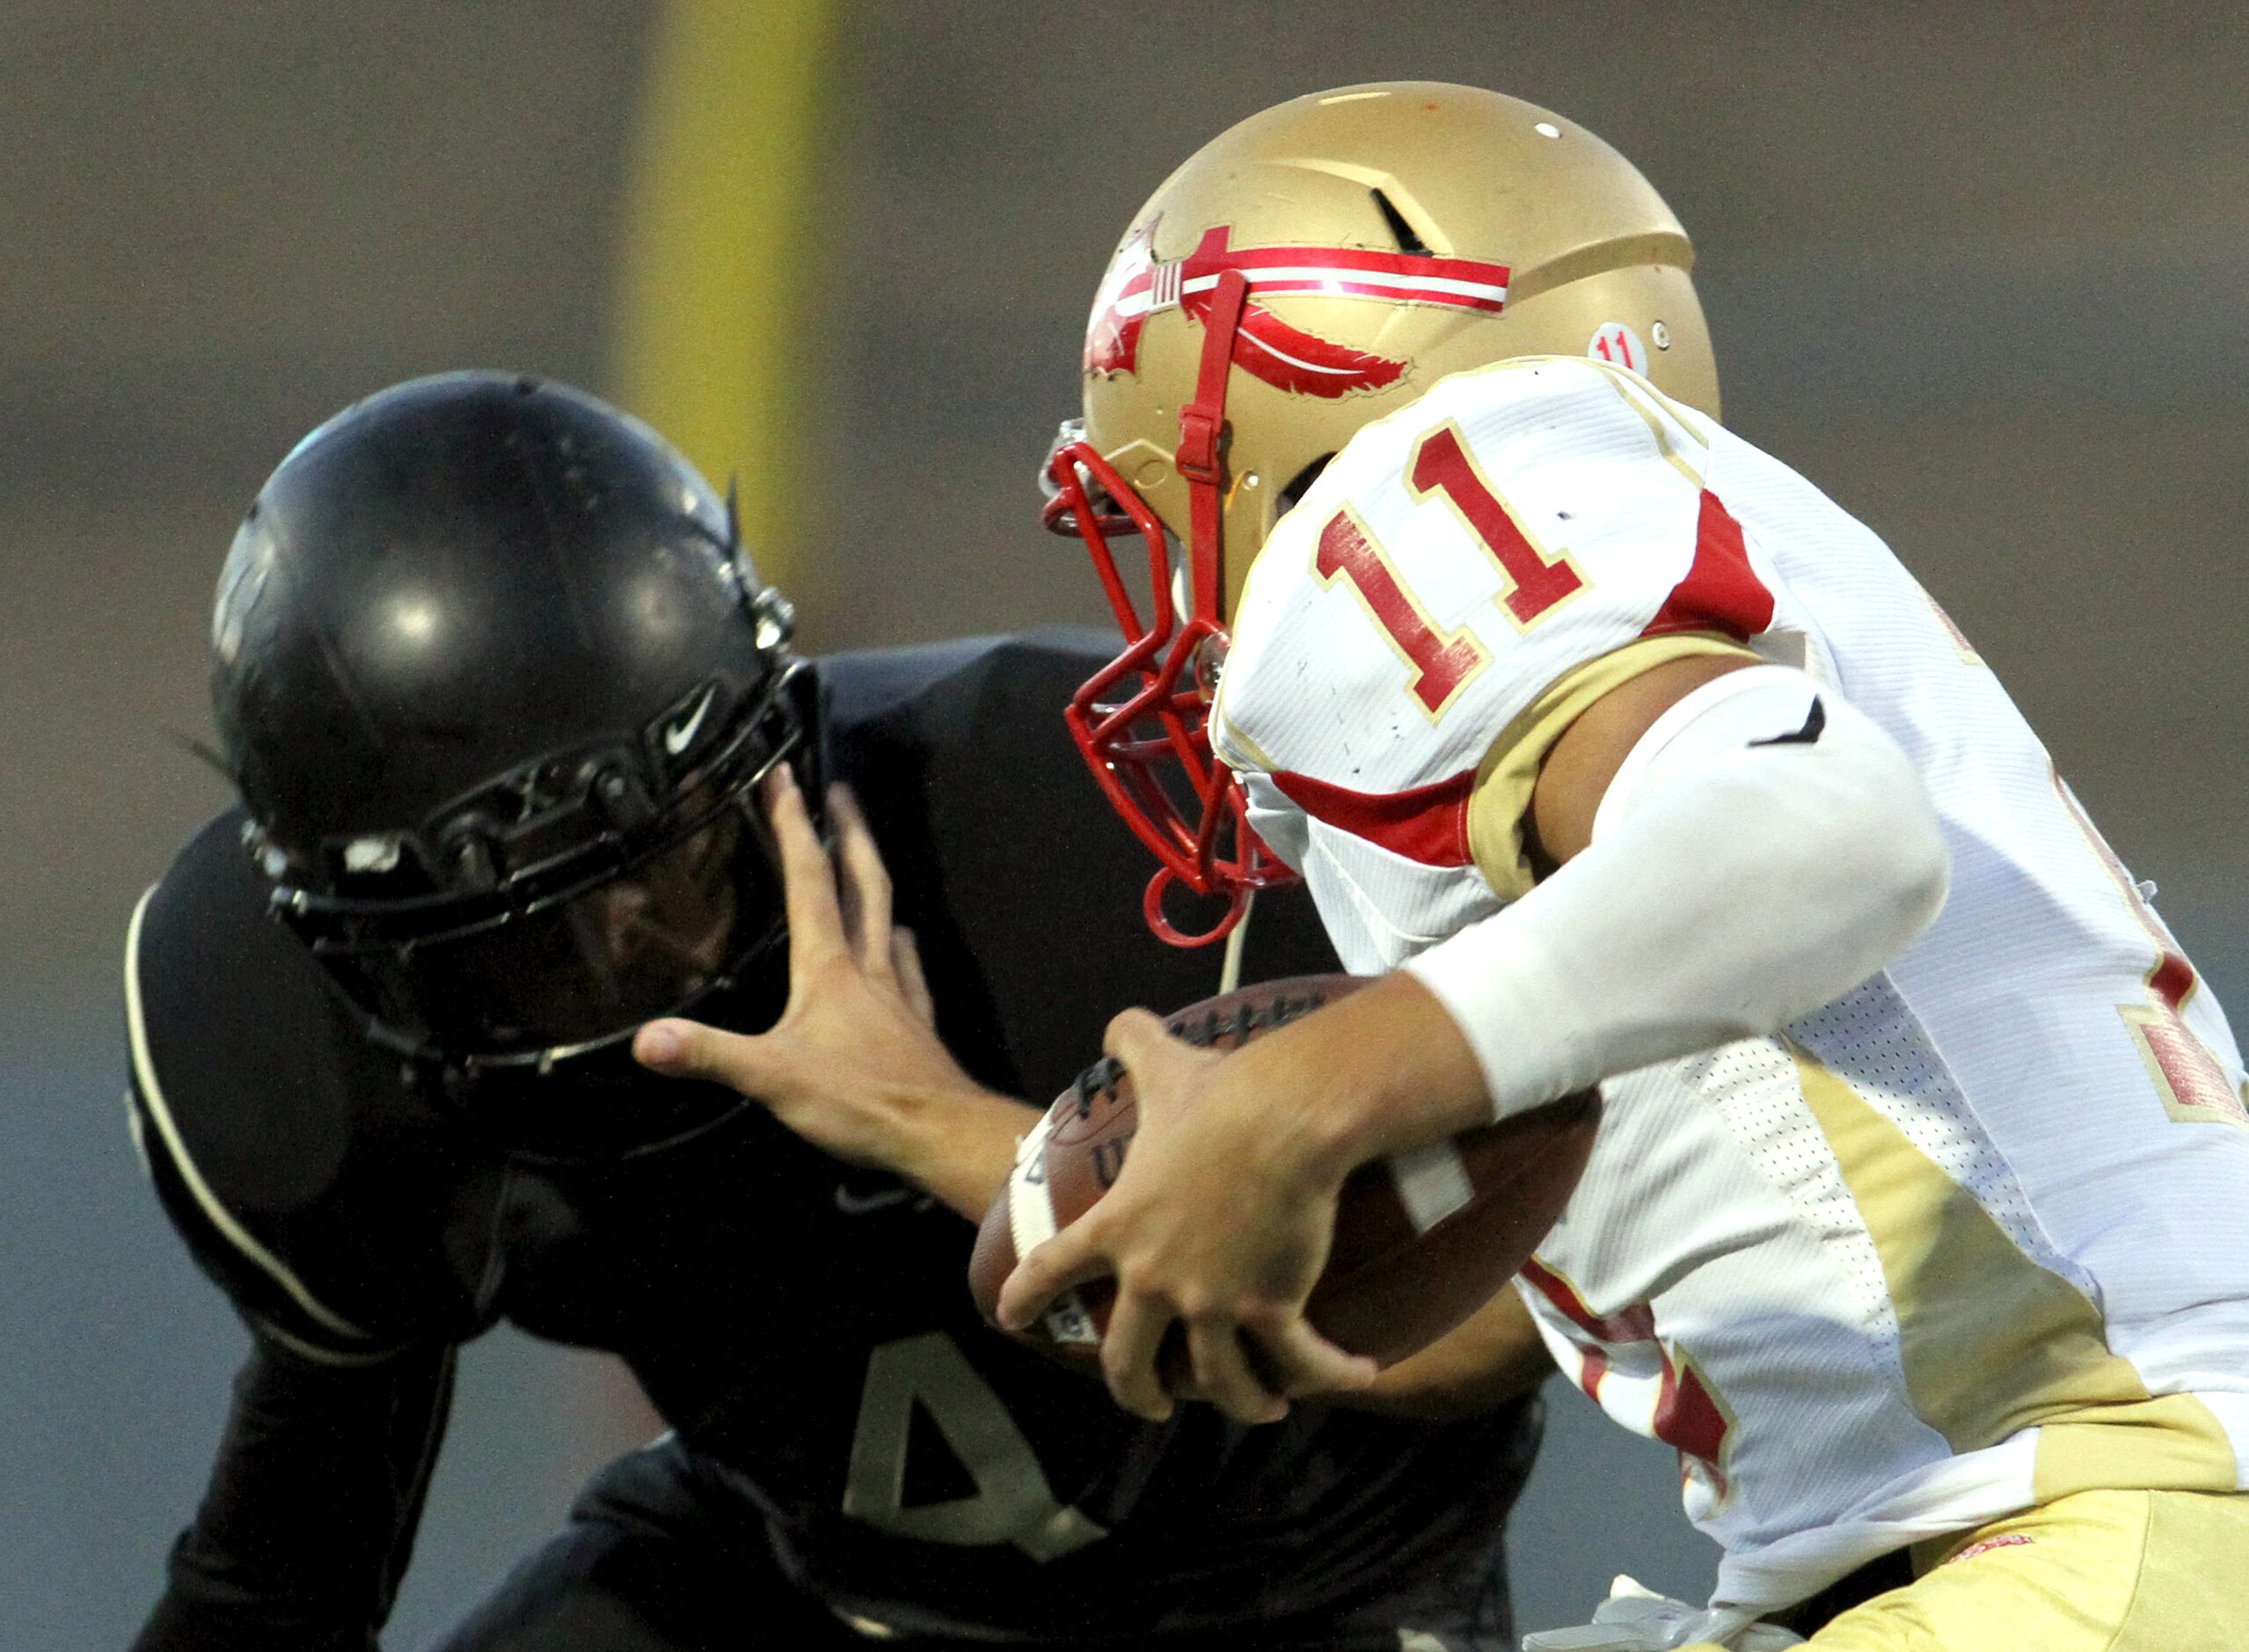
point(1444, 662)
point(1442, 466)
point(1441, 664)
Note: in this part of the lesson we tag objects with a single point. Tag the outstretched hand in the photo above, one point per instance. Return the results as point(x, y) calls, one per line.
point(1218, 1222)
point(854, 1064)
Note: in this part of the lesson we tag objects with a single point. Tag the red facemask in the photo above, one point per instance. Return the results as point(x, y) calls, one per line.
point(1142, 722)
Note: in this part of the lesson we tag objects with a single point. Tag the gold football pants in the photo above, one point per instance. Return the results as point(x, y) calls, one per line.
point(2098, 1571)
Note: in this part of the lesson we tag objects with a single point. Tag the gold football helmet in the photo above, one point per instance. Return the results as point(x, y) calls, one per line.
point(1305, 272)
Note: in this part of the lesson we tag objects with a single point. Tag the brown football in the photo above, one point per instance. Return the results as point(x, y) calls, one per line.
point(1423, 1239)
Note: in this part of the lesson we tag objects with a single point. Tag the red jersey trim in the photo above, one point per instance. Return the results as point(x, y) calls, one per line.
point(1721, 592)
point(1428, 823)
point(1687, 1417)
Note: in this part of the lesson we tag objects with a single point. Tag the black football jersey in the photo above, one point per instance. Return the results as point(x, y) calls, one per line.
point(803, 1325)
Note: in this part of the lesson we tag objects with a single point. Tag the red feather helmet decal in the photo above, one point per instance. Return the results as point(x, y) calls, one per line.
point(1288, 358)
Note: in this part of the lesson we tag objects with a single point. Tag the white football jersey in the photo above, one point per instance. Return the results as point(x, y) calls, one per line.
point(1975, 1235)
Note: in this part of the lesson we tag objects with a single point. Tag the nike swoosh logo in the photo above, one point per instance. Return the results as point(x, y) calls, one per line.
point(852, 1203)
point(676, 737)
point(1808, 734)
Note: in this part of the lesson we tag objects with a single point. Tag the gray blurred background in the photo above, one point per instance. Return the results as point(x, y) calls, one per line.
point(1977, 271)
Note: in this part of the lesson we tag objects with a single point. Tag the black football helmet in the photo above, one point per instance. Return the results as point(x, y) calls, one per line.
point(497, 681)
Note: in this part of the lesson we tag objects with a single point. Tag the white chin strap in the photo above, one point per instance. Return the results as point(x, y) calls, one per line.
point(1764, 849)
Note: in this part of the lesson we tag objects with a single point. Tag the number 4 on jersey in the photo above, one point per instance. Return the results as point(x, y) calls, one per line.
point(1444, 662)
point(1012, 1502)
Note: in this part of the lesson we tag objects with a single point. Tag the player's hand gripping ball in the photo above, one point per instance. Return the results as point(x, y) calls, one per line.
point(1423, 1239)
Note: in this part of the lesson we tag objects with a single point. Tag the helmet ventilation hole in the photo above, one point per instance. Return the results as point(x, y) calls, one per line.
point(1408, 238)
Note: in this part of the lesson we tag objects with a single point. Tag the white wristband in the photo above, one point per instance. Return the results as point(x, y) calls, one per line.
point(1763, 848)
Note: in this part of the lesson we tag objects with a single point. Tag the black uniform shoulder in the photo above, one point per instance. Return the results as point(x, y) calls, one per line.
point(304, 1173)
point(865, 684)
point(1014, 872)
point(1027, 676)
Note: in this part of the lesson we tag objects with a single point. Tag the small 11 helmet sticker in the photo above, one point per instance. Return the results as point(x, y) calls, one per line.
point(1619, 343)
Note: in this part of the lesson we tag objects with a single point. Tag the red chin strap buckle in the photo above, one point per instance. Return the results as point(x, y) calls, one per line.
point(1197, 458)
